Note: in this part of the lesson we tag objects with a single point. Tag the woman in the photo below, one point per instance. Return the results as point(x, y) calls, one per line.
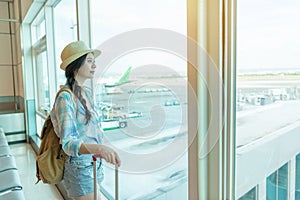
point(77, 124)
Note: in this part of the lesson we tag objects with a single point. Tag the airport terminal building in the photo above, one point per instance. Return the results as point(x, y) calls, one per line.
point(200, 98)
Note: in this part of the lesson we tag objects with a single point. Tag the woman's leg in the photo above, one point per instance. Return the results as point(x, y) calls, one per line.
point(90, 196)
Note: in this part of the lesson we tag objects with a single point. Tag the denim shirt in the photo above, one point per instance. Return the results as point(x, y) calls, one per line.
point(70, 124)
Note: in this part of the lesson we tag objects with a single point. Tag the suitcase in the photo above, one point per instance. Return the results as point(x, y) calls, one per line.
point(95, 179)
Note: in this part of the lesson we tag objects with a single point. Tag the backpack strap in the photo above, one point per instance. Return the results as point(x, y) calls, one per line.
point(65, 89)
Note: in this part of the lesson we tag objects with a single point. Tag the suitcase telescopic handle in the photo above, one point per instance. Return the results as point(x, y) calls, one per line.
point(95, 179)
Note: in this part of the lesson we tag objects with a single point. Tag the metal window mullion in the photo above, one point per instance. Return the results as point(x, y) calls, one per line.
point(277, 176)
point(194, 163)
point(220, 48)
point(203, 96)
point(215, 161)
point(83, 21)
point(91, 44)
point(51, 63)
point(229, 46)
point(84, 27)
point(291, 179)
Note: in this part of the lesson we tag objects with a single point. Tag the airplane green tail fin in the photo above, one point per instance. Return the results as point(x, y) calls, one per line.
point(124, 78)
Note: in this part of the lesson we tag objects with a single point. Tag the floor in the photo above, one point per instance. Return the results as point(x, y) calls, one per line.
point(25, 160)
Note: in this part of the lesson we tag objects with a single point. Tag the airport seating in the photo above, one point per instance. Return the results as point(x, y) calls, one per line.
point(10, 184)
point(3, 142)
point(17, 194)
point(5, 151)
point(7, 163)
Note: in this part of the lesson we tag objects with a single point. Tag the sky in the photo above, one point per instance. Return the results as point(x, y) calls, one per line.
point(110, 18)
point(267, 31)
point(268, 34)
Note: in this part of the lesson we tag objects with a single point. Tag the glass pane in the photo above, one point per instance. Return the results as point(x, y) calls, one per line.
point(272, 186)
point(277, 184)
point(142, 96)
point(297, 180)
point(43, 82)
point(39, 124)
point(267, 90)
point(251, 195)
point(65, 28)
point(41, 29)
point(283, 182)
point(38, 31)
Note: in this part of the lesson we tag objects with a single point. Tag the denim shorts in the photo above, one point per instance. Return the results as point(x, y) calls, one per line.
point(78, 175)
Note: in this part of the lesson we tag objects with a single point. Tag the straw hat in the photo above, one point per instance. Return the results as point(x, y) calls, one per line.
point(73, 51)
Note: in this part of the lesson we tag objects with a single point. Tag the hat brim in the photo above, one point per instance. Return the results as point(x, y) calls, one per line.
point(69, 60)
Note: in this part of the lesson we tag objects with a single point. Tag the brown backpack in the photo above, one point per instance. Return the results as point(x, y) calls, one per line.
point(51, 158)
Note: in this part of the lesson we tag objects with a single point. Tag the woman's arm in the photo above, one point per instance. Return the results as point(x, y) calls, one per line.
point(105, 152)
point(65, 116)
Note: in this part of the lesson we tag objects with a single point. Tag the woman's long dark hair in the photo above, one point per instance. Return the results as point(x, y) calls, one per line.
point(71, 69)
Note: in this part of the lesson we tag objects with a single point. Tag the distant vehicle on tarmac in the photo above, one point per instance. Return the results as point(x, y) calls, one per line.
point(113, 124)
point(172, 103)
point(264, 100)
point(135, 114)
point(260, 100)
point(176, 102)
point(168, 103)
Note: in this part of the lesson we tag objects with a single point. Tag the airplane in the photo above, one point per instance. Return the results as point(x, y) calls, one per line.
point(122, 80)
point(111, 88)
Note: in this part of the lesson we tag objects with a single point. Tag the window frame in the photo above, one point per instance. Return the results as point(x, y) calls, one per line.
point(212, 24)
point(38, 49)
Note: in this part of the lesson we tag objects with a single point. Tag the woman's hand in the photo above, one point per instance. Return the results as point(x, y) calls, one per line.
point(109, 155)
point(102, 151)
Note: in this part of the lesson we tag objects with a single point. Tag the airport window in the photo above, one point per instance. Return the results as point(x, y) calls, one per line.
point(38, 30)
point(42, 77)
point(65, 31)
point(267, 92)
point(142, 96)
point(40, 63)
point(277, 184)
